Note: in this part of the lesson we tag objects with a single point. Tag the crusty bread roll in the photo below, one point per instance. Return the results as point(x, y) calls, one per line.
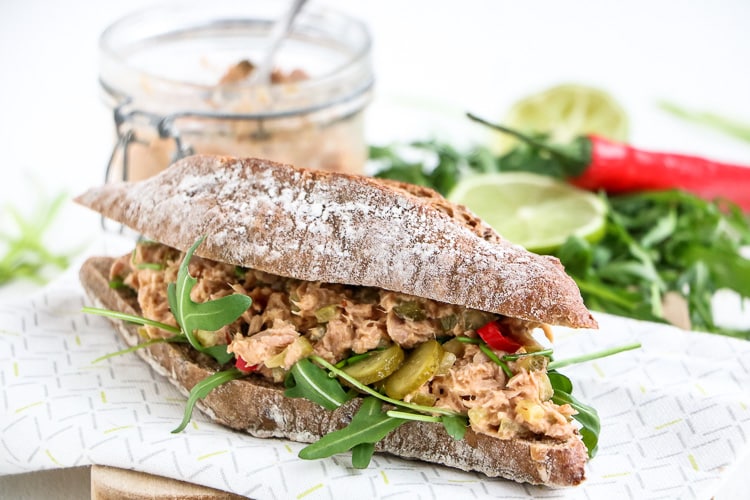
point(337, 228)
point(271, 414)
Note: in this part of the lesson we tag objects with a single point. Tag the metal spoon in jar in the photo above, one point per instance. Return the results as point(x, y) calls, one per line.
point(262, 72)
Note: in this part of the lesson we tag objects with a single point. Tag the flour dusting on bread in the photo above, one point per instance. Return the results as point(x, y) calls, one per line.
point(336, 228)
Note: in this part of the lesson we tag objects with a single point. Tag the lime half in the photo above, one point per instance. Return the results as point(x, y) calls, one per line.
point(565, 112)
point(534, 211)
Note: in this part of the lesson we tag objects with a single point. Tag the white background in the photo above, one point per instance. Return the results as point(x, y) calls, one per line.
point(442, 57)
point(433, 60)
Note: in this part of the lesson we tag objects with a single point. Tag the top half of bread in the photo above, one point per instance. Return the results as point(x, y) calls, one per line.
point(336, 228)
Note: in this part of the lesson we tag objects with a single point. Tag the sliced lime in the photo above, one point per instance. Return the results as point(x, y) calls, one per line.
point(534, 211)
point(564, 112)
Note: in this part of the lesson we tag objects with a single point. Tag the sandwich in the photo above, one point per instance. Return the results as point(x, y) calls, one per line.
point(352, 313)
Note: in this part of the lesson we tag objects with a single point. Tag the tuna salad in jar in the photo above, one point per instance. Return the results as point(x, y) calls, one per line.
point(180, 80)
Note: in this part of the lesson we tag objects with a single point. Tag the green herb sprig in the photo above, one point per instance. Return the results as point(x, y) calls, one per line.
point(721, 123)
point(661, 242)
point(25, 254)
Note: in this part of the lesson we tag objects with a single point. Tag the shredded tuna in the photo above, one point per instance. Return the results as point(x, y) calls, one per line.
point(340, 320)
point(409, 333)
point(266, 344)
point(497, 406)
point(337, 341)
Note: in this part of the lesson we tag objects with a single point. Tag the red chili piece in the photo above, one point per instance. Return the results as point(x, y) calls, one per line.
point(244, 367)
point(492, 334)
point(619, 168)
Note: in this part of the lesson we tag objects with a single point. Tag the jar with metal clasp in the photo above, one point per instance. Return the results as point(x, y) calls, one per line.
point(179, 80)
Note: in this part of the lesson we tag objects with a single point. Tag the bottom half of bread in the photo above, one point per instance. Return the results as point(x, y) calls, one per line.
point(259, 407)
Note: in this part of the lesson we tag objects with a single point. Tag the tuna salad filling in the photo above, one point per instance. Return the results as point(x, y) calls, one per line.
point(411, 348)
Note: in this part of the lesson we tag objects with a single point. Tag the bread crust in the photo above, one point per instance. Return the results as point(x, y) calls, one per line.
point(259, 407)
point(337, 228)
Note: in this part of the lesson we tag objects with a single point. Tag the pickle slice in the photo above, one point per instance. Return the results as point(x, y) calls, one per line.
point(410, 309)
point(377, 366)
point(301, 343)
point(326, 313)
point(420, 366)
point(473, 319)
point(424, 399)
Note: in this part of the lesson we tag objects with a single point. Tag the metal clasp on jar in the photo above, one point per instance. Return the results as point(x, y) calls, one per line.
point(146, 144)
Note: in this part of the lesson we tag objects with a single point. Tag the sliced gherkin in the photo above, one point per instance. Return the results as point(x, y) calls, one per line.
point(420, 366)
point(326, 313)
point(377, 366)
point(410, 309)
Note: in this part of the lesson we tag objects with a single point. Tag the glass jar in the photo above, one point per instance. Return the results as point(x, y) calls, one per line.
point(174, 78)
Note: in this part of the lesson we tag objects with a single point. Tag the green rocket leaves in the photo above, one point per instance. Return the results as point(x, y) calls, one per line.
point(210, 315)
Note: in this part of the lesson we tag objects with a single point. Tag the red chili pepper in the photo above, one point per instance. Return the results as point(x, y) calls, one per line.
point(244, 367)
point(493, 335)
point(595, 163)
point(619, 168)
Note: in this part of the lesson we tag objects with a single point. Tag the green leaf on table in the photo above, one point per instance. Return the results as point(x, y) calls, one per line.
point(369, 425)
point(308, 380)
point(211, 315)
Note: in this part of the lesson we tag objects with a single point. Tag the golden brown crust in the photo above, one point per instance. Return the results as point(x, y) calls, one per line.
point(336, 228)
point(260, 408)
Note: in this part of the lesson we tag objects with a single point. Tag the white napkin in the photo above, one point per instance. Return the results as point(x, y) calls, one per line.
point(675, 416)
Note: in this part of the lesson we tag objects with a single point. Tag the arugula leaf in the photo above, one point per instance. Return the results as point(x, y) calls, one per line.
point(727, 269)
point(455, 426)
point(310, 381)
point(202, 389)
point(592, 356)
point(131, 318)
point(174, 339)
point(368, 426)
point(362, 454)
point(211, 315)
point(587, 416)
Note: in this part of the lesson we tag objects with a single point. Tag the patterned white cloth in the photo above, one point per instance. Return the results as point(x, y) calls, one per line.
point(675, 416)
